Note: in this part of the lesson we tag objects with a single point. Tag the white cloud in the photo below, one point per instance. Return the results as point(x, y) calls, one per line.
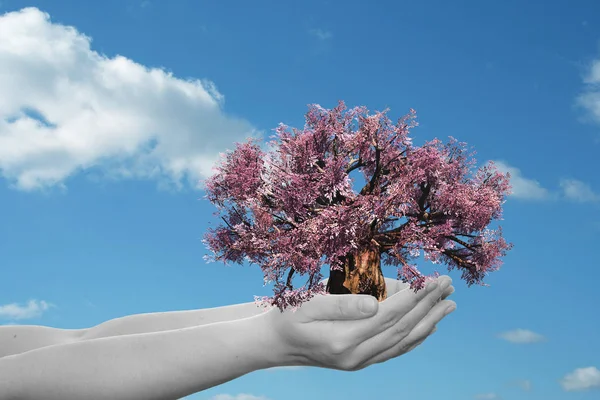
point(65, 108)
point(521, 336)
point(530, 189)
point(589, 99)
point(321, 34)
point(593, 76)
point(32, 309)
point(578, 191)
point(487, 396)
point(581, 379)
point(242, 396)
point(522, 188)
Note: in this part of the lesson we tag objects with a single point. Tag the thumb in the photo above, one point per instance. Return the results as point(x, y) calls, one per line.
point(344, 307)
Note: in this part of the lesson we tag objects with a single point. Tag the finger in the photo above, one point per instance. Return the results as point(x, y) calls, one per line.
point(448, 292)
point(406, 301)
point(394, 286)
point(340, 307)
point(420, 342)
point(390, 312)
point(417, 336)
point(426, 326)
point(406, 317)
point(393, 353)
point(425, 305)
point(351, 306)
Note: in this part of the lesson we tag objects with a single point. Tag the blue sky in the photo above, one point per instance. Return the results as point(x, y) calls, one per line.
point(100, 151)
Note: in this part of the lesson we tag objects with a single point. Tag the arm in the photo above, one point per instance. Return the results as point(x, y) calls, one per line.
point(15, 339)
point(327, 332)
point(19, 339)
point(166, 321)
point(160, 365)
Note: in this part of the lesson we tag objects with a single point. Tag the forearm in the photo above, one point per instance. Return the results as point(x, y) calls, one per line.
point(163, 321)
point(15, 339)
point(161, 365)
point(19, 339)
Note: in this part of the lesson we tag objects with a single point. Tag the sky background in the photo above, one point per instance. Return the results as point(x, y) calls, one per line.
point(110, 112)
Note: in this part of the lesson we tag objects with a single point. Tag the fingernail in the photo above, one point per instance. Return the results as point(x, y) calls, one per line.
point(446, 283)
point(449, 310)
point(367, 306)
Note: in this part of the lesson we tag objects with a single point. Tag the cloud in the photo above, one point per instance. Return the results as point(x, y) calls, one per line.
point(578, 191)
point(32, 309)
point(521, 336)
point(589, 99)
point(581, 379)
point(238, 397)
point(487, 396)
point(529, 189)
point(593, 76)
point(66, 109)
point(321, 34)
point(522, 188)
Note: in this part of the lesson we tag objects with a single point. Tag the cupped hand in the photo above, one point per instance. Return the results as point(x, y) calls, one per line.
point(350, 332)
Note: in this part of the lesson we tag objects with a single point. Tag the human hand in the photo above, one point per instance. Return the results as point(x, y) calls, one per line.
point(351, 332)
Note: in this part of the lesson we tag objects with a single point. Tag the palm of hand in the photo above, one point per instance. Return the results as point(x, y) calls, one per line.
point(333, 332)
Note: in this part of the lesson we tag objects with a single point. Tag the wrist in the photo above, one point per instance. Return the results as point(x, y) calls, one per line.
point(281, 352)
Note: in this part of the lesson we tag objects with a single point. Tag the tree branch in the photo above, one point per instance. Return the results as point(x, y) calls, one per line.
point(463, 243)
point(465, 263)
point(425, 189)
point(230, 227)
point(287, 221)
point(318, 167)
point(289, 279)
point(243, 218)
point(466, 235)
point(368, 189)
point(394, 159)
point(359, 163)
point(395, 230)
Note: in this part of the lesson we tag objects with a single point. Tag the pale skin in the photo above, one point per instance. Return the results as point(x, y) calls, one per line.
point(170, 355)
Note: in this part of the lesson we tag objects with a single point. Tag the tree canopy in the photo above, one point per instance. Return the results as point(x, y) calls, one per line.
point(293, 209)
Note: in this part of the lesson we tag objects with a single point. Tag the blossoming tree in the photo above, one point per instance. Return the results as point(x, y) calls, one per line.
point(293, 209)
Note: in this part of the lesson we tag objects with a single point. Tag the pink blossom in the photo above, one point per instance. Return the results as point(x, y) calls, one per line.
point(293, 210)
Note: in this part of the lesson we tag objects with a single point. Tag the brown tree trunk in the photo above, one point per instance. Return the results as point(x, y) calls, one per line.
point(361, 275)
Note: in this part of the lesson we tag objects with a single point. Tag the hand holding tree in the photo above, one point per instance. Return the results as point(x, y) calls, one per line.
point(349, 332)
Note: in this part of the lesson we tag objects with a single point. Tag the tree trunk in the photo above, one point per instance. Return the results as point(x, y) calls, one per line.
point(361, 275)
